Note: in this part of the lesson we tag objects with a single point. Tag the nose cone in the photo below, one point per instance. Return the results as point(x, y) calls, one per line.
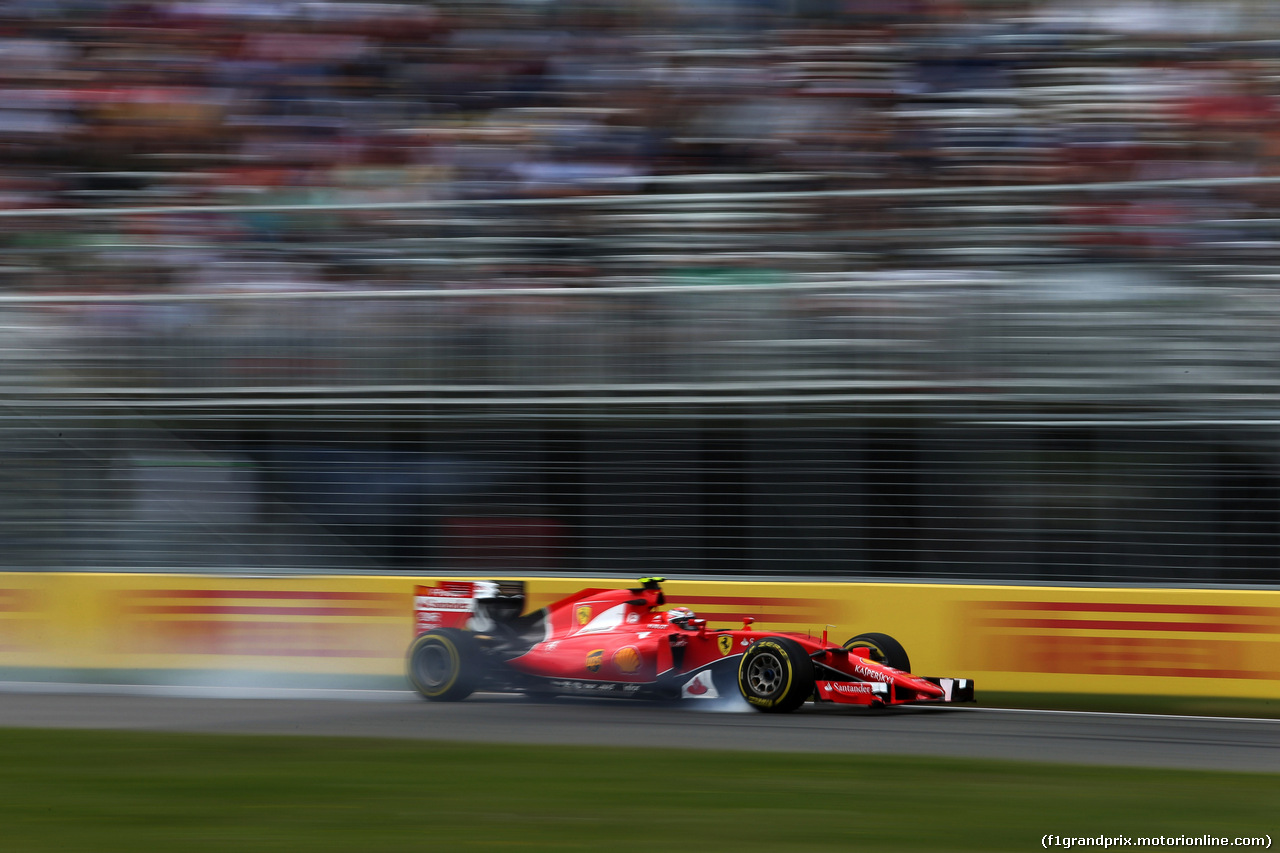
point(926, 689)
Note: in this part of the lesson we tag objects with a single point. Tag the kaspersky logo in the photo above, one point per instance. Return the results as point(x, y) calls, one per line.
point(872, 674)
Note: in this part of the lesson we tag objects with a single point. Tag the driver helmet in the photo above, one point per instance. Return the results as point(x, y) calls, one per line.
point(679, 616)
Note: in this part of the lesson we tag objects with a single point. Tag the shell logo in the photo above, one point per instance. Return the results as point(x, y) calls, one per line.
point(627, 660)
point(583, 614)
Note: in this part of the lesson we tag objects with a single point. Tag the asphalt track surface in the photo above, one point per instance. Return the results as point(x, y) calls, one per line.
point(1208, 743)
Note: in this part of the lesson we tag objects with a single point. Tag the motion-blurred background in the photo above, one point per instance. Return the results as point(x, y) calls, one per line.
point(803, 288)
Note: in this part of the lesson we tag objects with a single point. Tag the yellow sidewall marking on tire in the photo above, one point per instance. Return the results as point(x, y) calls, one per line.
point(871, 647)
point(457, 666)
point(785, 660)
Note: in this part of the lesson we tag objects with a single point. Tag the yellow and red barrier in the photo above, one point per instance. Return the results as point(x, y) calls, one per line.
point(1119, 641)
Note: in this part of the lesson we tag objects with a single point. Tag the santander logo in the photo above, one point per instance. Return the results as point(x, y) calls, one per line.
point(700, 687)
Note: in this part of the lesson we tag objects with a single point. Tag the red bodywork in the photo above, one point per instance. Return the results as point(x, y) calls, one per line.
point(618, 641)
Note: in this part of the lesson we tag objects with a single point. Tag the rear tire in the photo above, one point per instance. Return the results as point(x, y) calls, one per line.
point(883, 648)
point(445, 664)
point(775, 675)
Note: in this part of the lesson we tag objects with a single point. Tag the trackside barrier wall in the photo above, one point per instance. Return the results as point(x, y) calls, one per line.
point(332, 630)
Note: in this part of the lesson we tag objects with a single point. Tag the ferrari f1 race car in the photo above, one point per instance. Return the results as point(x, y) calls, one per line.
point(474, 635)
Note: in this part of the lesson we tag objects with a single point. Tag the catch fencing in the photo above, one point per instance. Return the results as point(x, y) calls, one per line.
point(707, 383)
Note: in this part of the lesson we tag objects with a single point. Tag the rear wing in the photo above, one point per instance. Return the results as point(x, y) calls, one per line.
point(471, 605)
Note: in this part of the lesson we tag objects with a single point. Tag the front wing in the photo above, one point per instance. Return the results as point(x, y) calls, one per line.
point(881, 693)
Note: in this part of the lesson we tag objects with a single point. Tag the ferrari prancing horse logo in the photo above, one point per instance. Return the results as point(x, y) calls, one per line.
point(725, 642)
point(584, 614)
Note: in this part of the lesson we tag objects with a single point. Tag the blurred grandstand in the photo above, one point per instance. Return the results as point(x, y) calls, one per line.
point(909, 289)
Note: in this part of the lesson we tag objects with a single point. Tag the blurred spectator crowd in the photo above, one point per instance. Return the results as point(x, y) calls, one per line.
point(585, 141)
point(764, 204)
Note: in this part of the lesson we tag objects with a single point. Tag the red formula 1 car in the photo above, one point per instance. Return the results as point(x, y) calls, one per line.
point(473, 635)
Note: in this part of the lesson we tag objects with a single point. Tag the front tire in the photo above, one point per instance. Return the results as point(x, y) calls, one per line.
point(775, 675)
point(884, 649)
point(445, 664)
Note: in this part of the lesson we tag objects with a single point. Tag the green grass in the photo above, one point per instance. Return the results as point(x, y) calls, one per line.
point(112, 791)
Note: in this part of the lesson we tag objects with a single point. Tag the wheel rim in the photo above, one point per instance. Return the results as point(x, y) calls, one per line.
point(433, 665)
point(765, 674)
